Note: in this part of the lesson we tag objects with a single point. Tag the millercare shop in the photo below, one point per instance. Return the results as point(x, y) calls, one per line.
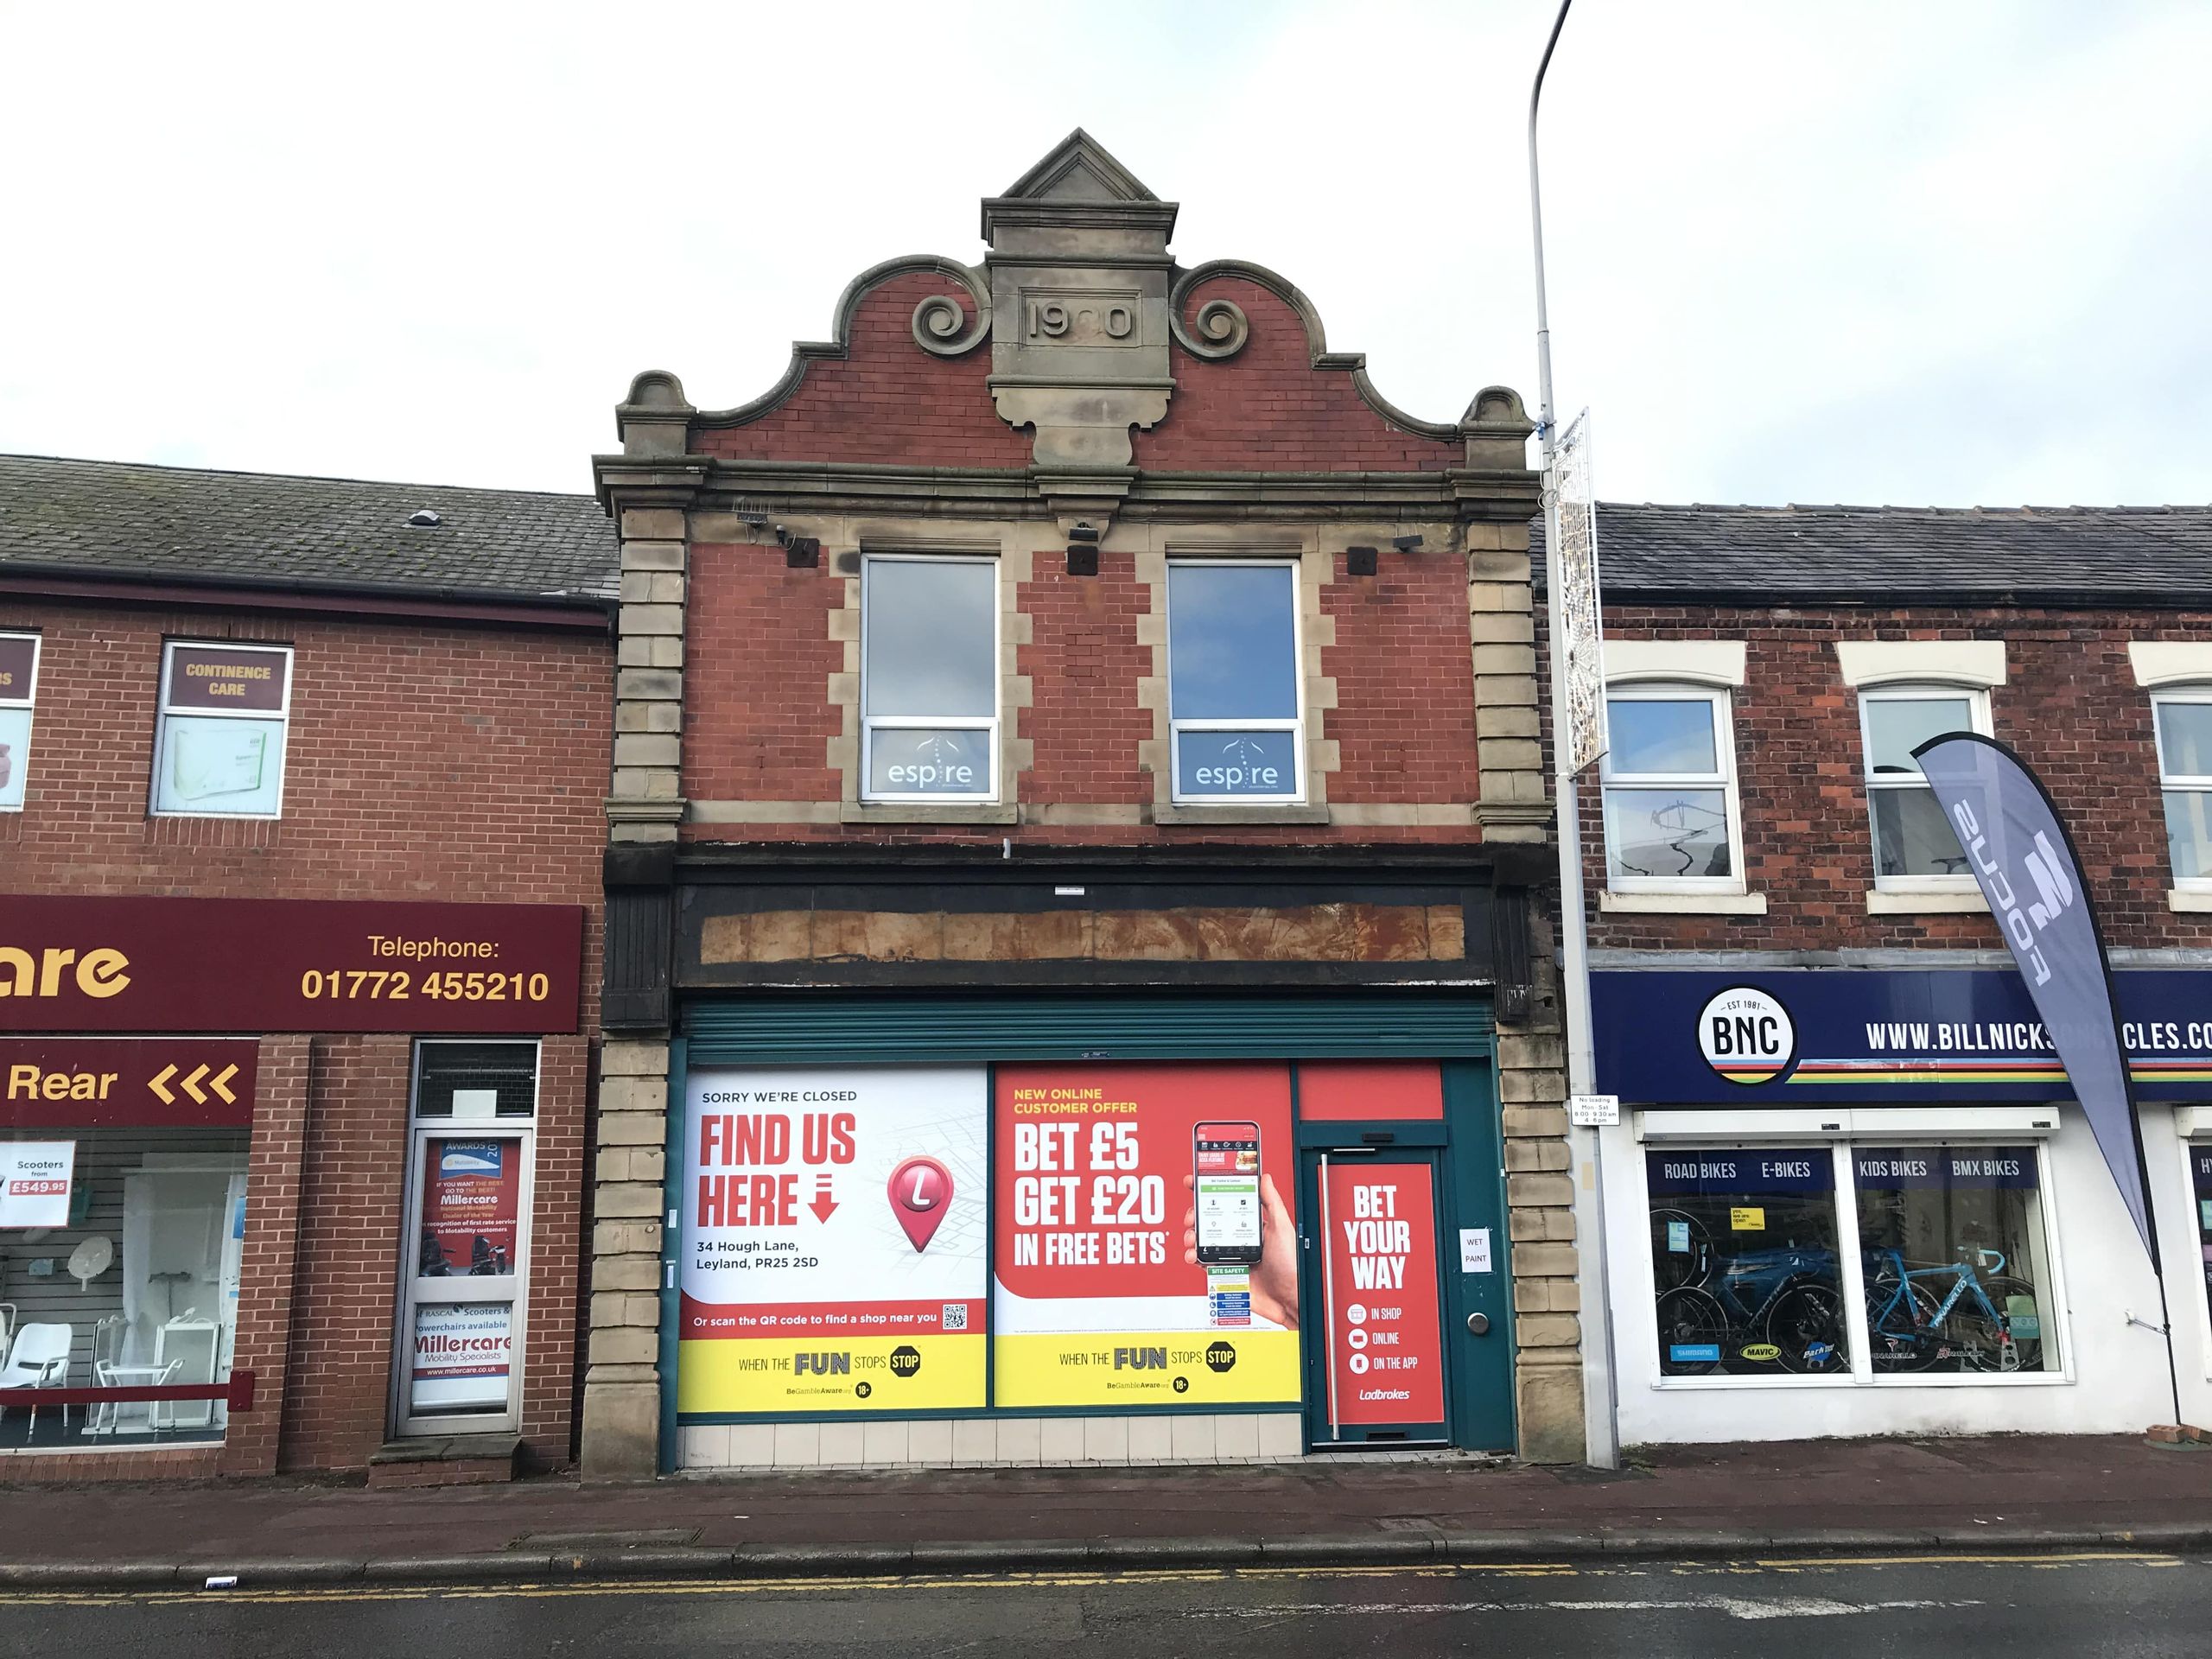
point(227, 1254)
point(1857, 1201)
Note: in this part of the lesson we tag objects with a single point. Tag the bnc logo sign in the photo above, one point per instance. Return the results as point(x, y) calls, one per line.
point(2055, 894)
point(1746, 1035)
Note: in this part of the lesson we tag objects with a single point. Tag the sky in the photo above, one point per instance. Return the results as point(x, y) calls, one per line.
point(1950, 254)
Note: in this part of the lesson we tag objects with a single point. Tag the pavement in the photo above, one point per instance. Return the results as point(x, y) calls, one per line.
point(1999, 1493)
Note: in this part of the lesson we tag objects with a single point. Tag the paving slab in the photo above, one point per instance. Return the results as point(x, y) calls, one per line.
point(2001, 1492)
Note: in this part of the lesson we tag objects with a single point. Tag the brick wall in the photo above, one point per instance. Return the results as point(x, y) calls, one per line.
point(888, 401)
point(759, 719)
point(758, 662)
point(2070, 704)
point(1267, 408)
point(424, 762)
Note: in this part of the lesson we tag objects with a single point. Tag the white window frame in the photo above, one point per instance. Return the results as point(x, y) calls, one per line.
point(871, 723)
point(1296, 725)
point(512, 1288)
point(1751, 1131)
point(1977, 701)
point(2194, 1134)
point(2178, 783)
point(28, 702)
point(281, 717)
point(1725, 779)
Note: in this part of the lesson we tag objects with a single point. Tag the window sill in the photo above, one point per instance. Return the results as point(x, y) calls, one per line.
point(1682, 904)
point(2188, 899)
point(1233, 815)
point(1926, 904)
point(990, 812)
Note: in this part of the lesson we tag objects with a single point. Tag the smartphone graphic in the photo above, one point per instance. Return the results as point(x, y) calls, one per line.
point(1226, 1182)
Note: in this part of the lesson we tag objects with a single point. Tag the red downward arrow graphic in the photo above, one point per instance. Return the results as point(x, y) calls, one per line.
point(823, 1207)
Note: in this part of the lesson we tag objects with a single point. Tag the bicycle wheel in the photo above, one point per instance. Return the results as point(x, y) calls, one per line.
point(1693, 1333)
point(1904, 1340)
point(1673, 1267)
point(2002, 1344)
point(1805, 1323)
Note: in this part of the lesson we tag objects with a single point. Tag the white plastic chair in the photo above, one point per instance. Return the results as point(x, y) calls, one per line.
point(40, 1359)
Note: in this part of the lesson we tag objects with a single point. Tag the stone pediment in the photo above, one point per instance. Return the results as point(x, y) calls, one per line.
point(1079, 168)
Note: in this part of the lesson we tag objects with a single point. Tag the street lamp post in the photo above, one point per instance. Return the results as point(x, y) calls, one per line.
point(1601, 1429)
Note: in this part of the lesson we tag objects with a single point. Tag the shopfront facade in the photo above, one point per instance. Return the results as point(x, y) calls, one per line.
point(1849, 1192)
point(1861, 1202)
point(1076, 982)
point(297, 967)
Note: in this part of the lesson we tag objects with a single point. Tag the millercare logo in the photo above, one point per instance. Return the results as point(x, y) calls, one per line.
point(2026, 923)
point(95, 973)
point(1746, 1035)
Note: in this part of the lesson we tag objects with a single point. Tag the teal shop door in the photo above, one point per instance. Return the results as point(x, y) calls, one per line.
point(1408, 1336)
point(1477, 1271)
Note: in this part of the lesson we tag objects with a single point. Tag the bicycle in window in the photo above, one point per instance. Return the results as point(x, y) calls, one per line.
point(1775, 1305)
point(1968, 1313)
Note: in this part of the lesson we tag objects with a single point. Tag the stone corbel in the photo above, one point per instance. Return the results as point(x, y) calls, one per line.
point(1079, 426)
point(1085, 500)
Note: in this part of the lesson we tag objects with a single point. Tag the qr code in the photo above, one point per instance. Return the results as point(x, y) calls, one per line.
point(956, 1316)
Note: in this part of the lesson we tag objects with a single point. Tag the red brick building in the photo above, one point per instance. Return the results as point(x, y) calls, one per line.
point(1077, 802)
point(319, 766)
point(1762, 841)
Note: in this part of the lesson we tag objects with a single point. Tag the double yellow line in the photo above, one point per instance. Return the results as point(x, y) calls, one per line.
point(829, 1586)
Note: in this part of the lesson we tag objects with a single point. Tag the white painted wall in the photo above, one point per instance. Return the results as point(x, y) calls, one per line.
point(2115, 1380)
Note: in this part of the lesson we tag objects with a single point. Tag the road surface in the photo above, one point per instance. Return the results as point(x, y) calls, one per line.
point(2084, 1606)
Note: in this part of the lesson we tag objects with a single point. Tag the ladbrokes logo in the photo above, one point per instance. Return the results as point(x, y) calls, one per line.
point(96, 973)
point(2045, 868)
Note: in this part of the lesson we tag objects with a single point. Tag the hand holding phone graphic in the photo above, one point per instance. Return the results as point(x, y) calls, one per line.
point(1261, 1236)
point(1225, 1192)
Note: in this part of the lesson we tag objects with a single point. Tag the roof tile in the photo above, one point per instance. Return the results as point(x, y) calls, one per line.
point(186, 523)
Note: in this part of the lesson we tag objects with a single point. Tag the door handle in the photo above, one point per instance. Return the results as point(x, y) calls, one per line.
point(1478, 1324)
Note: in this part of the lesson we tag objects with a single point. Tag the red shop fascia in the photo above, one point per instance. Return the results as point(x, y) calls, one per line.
point(299, 941)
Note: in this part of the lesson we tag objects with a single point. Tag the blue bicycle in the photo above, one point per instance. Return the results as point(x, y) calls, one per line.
point(1965, 1315)
point(1773, 1307)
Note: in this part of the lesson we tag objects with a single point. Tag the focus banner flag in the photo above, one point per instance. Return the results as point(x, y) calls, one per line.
point(2029, 871)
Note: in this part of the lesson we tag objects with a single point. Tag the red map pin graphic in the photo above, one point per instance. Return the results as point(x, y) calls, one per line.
point(921, 1190)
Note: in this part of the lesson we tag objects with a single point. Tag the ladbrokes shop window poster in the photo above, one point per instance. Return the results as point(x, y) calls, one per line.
point(834, 1240)
point(1145, 1251)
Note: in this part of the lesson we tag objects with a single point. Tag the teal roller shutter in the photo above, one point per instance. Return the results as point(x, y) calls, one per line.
point(771, 1029)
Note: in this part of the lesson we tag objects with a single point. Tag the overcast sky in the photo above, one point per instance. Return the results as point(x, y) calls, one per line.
point(1948, 253)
